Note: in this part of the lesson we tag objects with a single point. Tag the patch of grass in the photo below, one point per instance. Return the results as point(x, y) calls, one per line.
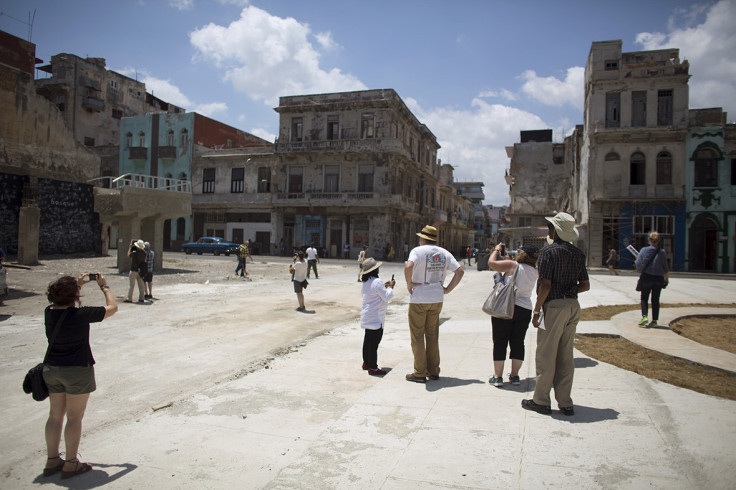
point(717, 331)
point(652, 364)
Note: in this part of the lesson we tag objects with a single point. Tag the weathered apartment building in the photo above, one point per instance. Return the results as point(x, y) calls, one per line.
point(539, 179)
point(93, 100)
point(641, 161)
point(353, 168)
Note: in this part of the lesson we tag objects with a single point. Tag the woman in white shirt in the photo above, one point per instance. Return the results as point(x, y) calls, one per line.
point(376, 295)
point(300, 278)
point(512, 332)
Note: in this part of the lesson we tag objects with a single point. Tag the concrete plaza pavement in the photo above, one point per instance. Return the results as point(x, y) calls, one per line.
point(311, 418)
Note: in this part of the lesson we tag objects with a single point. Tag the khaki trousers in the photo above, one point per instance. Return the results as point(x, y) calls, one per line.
point(555, 363)
point(424, 325)
point(134, 278)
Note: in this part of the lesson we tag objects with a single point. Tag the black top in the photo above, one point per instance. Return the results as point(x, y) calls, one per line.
point(71, 346)
point(564, 265)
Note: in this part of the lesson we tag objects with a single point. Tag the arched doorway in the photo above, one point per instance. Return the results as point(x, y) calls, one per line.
point(704, 242)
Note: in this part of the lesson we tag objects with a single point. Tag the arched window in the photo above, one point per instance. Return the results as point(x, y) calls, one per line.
point(706, 168)
point(637, 169)
point(612, 156)
point(141, 139)
point(664, 168)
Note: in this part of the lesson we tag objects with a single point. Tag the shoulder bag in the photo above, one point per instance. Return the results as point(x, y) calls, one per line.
point(644, 278)
point(33, 382)
point(500, 303)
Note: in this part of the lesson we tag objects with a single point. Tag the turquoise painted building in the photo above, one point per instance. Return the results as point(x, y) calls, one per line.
point(711, 192)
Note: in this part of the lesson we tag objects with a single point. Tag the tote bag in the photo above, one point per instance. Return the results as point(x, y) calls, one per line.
point(500, 303)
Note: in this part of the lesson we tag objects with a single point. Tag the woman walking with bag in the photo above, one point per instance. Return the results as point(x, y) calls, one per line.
point(512, 332)
point(655, 275)
point(69, 368)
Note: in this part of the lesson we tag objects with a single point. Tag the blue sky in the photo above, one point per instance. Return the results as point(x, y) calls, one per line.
point(476, 72)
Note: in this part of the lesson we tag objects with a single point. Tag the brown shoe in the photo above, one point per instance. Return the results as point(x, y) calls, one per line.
point(415, 379)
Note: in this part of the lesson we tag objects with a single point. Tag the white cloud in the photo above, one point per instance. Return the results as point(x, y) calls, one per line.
point(266, 56)
point(474, 140)
point(503, 94)
point(555, 92)
point(710, 47)
point(182, 4)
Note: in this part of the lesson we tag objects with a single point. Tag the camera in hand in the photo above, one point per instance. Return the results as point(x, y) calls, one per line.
point(93, 277)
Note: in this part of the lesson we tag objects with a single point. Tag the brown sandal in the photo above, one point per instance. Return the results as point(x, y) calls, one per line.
point(80, 468)
point(50, 471)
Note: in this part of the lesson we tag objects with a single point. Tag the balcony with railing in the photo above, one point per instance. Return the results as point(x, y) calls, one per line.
point(93, 103)
point(137, 153)
point(167, 151)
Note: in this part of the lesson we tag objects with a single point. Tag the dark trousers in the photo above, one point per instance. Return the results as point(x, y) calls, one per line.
point(312, 264)
point(655, 291)
point(370, 347)
point(510, 332)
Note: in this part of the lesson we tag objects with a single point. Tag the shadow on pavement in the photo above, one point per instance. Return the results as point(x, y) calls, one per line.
point(587, 415)
point(450, 383)
point(92, 479)
point(585, 362)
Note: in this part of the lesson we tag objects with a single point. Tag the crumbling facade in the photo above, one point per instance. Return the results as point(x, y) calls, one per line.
point(353, 168)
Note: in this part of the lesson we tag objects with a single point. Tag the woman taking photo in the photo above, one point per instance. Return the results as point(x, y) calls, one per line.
point(655, 275)
point(512, 332)
point(69, 368)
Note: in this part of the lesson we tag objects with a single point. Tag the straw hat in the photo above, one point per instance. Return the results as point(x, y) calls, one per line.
point(370, 264)
point(564, 226)
point(428, 233)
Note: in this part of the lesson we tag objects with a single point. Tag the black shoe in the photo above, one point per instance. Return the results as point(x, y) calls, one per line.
point(415, 379)
point(530, 405)
point(569, 411)
point(434, 377)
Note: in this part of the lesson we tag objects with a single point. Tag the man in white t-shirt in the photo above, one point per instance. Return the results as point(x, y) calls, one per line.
point(312, 261)
point(425, 272)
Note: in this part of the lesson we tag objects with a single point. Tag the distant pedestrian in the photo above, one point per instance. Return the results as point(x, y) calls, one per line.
point(299, 278)
point(361, 259)
point(148, 278)
point(425, 273)
point(312, 261)
point(612, 261)
point(376, 295)
point(562, 276)
point(655, 276)
point(346, 251)
point(243, 254)
point(138, 270)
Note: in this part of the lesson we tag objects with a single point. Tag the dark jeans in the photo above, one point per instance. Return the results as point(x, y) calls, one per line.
point(312, 264)
point(510, 332)
point(370, 347)
point(655, 291)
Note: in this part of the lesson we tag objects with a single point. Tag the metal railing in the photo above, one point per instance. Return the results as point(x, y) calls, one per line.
point(142, 181)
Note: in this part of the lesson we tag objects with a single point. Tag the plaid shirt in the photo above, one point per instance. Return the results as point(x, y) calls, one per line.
point(564, 265)
point(149, 259)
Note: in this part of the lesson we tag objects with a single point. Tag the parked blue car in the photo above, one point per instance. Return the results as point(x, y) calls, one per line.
point(210, 245)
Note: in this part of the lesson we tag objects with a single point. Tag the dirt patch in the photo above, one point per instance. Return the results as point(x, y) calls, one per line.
point(607, 311)
point(652, 364)
point(717, 331)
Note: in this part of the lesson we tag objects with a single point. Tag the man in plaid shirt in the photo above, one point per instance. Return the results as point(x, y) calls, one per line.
point(148, 279)
point(562, 275)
